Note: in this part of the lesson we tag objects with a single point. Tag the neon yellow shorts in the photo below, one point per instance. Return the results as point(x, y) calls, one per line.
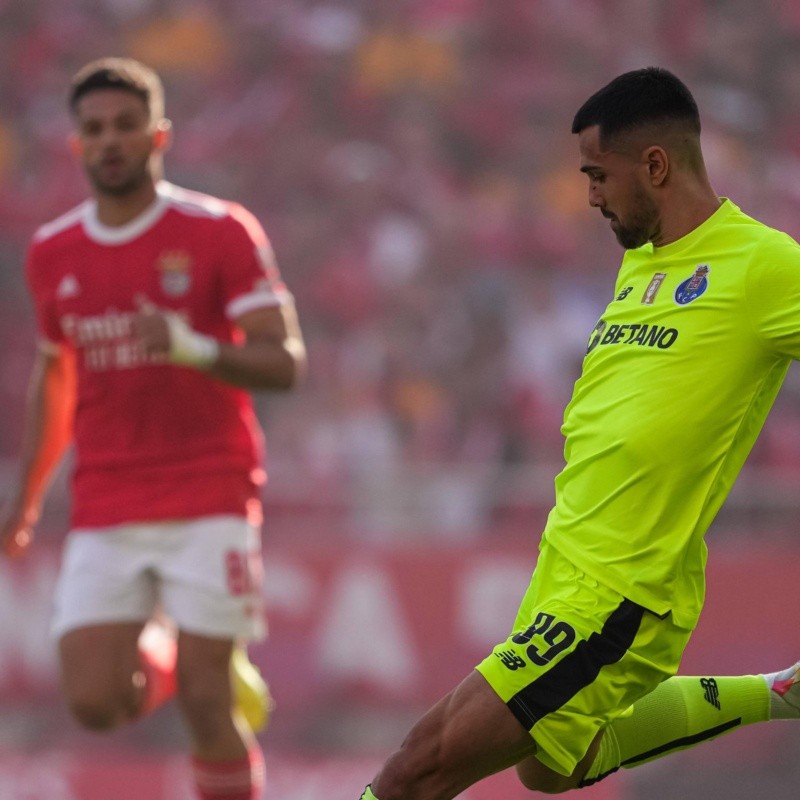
point(580, 656)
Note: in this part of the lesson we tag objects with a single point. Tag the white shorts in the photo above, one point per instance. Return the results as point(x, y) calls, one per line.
point(205, 574)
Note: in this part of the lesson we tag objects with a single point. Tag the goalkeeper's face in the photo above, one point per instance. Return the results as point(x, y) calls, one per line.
point(618, 187)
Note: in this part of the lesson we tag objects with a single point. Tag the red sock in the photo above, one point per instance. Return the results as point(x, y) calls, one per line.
point(158, 657)
point(241, 779)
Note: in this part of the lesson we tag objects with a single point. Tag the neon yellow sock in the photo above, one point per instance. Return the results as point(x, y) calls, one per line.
point(680, 713)
point(368, 794)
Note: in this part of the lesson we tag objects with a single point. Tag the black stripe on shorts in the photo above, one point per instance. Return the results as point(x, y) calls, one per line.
point(580, 667)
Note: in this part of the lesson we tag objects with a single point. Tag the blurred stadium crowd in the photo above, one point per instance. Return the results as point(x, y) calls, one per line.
point(412, 163)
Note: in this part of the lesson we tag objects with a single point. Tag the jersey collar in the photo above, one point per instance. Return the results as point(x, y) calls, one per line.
point(106, 234)
point(726, 208)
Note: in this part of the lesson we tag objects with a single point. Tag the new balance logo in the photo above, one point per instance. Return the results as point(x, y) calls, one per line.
point(68, 287)
point(510, 659)
point(711, 691)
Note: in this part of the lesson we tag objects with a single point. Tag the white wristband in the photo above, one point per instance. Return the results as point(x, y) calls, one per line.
point(188, 347)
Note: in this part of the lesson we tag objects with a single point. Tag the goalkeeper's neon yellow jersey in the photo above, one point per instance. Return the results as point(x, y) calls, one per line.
point(678, 379)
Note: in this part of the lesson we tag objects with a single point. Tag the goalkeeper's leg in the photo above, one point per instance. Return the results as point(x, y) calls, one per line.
point(685, 711)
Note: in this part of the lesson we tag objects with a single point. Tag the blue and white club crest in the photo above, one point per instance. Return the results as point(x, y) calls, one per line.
point(693, 287)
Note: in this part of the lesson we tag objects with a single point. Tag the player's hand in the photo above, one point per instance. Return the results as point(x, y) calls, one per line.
point(16, 534)
point(164, 332)
point(150, 327)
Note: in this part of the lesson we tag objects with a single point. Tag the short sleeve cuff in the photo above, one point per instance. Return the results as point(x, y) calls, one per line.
point(245, 303)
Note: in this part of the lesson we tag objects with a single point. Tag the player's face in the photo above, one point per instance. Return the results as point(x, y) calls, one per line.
point(617, 186)
point(115, 139)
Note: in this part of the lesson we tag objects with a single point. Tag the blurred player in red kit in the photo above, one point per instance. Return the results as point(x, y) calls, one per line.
point(158, 309)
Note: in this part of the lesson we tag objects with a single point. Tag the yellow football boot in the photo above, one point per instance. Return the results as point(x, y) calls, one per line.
point(250, 690)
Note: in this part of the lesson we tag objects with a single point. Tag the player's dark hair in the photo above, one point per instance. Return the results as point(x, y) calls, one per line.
point(636, 99)
point(119, 73)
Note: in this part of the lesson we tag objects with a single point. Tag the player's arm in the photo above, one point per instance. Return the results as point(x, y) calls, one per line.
point(47, 433)
point(272, 356)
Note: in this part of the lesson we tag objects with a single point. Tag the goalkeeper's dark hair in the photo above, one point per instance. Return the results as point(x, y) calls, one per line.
point(637, 99)
point(125, 74)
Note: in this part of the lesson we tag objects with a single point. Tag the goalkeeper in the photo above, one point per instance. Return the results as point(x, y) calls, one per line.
point(679, 375)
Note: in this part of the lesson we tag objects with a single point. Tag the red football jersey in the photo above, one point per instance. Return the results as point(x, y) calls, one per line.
point(155, 441)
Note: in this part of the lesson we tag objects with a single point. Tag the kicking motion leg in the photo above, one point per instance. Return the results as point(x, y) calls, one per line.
point(685, 711)
point(681, 712)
